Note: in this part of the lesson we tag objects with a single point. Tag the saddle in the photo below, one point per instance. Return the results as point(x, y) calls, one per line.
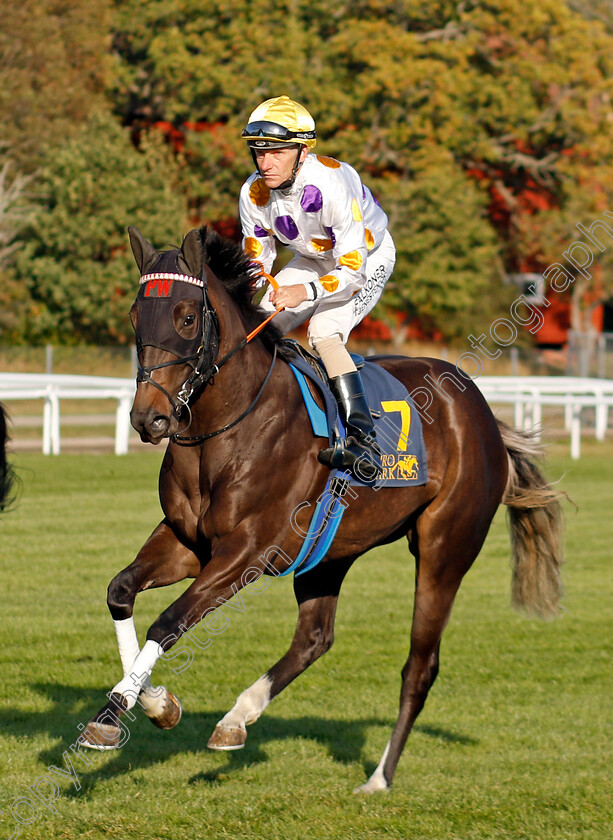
point(396, 419)
point(296, 349)
point(403, 456)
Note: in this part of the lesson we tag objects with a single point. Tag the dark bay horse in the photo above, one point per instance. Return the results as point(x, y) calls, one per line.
point(242, 459)
point(7, 475)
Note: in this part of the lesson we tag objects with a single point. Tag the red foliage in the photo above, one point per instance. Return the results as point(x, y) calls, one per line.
point(173, 135)
point(176, 135)
point(203, 126)
point(371, 329)
point(556, 321)
point(230, 228)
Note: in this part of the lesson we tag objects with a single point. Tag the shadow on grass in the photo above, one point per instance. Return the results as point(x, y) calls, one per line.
point(445, 735)
point(147, 746)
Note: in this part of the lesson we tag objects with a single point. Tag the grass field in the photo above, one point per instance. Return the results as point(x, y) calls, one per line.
point(515, 740)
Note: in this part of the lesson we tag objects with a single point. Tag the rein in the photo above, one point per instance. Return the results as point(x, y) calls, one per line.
point(192, 440)
point(198, 378)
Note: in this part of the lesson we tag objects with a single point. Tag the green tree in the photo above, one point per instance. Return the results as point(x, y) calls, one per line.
point(601, 10)
point(493, 115)
point(16, 210)
point(447, 249)
point(76, 264)
point(203, 69)
point(53, 72)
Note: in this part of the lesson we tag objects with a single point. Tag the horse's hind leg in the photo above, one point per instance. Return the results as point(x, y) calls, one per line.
point(317, 596)
point(431, 612)
point(446, 548)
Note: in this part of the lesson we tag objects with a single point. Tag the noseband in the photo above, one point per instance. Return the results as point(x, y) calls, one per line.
point(203, 361)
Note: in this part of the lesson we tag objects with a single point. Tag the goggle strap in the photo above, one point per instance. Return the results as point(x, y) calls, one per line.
point(275, 131)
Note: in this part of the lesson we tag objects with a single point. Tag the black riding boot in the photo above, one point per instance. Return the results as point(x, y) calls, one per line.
point(361, 444)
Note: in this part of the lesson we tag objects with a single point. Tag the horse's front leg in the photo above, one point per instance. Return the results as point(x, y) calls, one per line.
point(220, 578)
point(317, 595)
point(163, 560)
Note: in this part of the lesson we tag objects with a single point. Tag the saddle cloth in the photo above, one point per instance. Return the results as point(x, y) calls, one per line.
point(397, 421)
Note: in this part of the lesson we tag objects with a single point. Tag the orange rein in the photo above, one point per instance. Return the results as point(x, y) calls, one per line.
point(261, 326)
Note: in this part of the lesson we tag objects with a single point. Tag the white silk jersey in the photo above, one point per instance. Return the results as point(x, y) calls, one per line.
point(326, 213)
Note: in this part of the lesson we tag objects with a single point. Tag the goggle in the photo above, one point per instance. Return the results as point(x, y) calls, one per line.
point(274, 131)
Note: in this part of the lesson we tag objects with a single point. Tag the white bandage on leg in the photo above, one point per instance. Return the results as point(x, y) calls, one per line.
point(152, 698)
point(127, 642)
point(334, 355)
point(140, 671)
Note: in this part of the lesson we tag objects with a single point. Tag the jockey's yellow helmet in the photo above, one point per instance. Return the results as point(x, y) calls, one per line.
point(278, 123)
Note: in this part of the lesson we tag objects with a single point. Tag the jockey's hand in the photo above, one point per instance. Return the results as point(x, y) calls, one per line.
point(287, 297)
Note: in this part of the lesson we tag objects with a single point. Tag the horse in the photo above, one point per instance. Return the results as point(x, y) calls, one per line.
point(7, 474)
point(241, 470)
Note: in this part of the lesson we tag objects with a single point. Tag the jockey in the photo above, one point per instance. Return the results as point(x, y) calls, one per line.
point(343, 255)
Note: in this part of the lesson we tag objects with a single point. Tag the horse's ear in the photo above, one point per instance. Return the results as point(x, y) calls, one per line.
point(192, 253)
point(144, 252)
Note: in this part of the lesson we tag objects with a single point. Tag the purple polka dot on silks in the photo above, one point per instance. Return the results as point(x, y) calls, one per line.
point(260, 232)
point(372, 195)
point(331, 235)
point(311, 200)
point(286, 227)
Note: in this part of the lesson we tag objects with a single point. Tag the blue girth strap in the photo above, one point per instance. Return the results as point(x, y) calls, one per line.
point(324, 525)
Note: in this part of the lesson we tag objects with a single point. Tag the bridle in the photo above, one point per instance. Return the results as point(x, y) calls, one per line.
point(203, 362)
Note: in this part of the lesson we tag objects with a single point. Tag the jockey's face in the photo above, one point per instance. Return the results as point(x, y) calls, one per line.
point(276, 165)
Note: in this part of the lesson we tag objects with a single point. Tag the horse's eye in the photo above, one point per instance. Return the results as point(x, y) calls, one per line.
point(189, 320)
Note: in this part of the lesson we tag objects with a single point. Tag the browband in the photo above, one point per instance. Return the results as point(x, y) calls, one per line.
point(166, 275)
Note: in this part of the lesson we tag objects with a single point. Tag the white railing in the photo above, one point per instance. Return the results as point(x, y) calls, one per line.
point(51, 388)
point(528, 395)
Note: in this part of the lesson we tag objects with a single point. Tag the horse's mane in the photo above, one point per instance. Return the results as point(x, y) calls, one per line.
point(234, 268)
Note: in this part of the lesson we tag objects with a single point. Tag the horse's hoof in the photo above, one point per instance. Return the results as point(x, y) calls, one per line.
point(372, 786)
point(227, 738)
point(170, 716)
point(100, 736)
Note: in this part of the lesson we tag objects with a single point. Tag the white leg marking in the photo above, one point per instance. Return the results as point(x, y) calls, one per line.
point(377, 780)
point(249, 705)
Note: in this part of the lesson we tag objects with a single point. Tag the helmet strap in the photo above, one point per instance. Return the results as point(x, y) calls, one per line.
point(255, 160)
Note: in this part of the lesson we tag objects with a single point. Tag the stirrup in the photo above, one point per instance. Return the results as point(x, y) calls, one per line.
point(361, 458)
point(332, 456)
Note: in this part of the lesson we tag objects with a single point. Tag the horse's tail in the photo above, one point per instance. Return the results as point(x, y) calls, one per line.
point(535, 518)
point(7, 475)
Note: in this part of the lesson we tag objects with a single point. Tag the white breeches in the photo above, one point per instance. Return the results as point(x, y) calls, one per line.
point(338, 313)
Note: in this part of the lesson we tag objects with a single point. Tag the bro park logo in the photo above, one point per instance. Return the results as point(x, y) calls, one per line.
point(397, 463)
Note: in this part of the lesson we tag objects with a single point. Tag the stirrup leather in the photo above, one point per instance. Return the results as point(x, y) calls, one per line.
point(359, 453)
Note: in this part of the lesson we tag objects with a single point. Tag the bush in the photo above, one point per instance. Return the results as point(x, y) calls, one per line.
point(77, 265)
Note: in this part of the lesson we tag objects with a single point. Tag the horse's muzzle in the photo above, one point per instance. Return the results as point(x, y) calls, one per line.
point(151, 425)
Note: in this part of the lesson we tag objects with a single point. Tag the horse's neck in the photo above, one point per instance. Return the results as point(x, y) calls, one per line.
point(231, 327)
point(236, 385)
